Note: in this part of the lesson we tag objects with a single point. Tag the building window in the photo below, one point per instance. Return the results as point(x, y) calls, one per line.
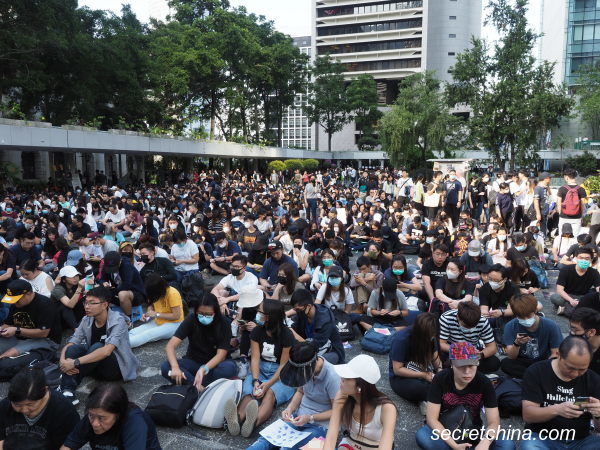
point(370, 27)
point(383, 65)
point(452, 35)
point(451, 53)
point(452, 17)
point(369, 46)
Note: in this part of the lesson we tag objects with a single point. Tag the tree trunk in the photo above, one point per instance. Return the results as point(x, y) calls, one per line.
point(213, 107)
point(329, 134)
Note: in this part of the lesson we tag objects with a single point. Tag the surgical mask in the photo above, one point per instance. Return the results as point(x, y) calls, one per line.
point(496, 286)
point(584, 336)
point(335, 252)
point(334, 281)
point(247, 224)
point(236, 272)
point(175, 211)
point(336, 229)
point(372, 254)
point(474, 254)
point(451, 275)
point(527, 323)
point(398, 271)
point(521, 248)
point(28, 210)
point(258, 319)
point(501, 237)
point(327, 262)
point(173, 226)
point(196, 229)
point(281, 280)
point(44, 211)
point(29, 226)
point(61, 214)
point(205, 320)
point(222, 244)
point(8, 209)
point(145, 259)
point(453, 177)
point(583, 264)
point(429, 239)
point(226, 229)
point(181, 244)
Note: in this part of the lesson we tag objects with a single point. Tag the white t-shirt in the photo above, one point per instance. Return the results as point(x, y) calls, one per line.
point(231, 282)
point(115, 218)
point(334, 296)
point(186, 251)
point(39, 284)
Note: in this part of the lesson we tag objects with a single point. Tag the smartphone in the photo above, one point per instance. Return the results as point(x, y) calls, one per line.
point(580, 400)
point(242, 322)
point(521, 335)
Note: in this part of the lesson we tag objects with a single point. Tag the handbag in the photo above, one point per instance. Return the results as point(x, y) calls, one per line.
point(432, 200)
point(170, 404)
point(458, 418)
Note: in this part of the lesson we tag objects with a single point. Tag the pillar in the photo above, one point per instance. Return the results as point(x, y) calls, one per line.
point(42, 166)
point(122, 166)
point(255, 164)
point(226, 166)
point(140, 168)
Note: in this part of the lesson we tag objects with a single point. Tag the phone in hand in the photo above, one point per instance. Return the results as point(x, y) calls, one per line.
point(521, 335)
point(242, 322)
point(581, 400)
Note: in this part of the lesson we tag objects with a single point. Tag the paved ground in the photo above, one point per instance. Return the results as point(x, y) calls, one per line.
point(149, 379)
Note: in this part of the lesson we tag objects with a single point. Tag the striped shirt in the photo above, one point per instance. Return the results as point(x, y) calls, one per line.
point(450, 330)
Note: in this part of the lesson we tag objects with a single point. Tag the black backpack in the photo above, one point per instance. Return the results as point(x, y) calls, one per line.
point(192, 287)
point(343, 323)
point(170, 404)
point(509, 395)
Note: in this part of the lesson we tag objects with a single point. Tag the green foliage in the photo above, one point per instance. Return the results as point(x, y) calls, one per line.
point(593, 184)
point(276, 166)
point(327, 102)
point(513, 98)
point(363, 102)
point(588, 92)
point(310, 164)
point(586, 163)
point(418, 123)
point(293, 164)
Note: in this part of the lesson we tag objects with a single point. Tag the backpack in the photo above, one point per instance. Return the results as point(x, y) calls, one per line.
point(509, 395)
point(343, 323)
point(170, 404)
point(10, 366)
point(572, 204)
point(192, 287)
point(536, 267)
point(376, 342)
point(209, 409)
point(51, 371)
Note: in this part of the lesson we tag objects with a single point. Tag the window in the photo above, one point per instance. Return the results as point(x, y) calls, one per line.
point(451, 53)
point(369, 46)
point(452, 35)
point(452, 17)
point(369, 27)
point(588, 32)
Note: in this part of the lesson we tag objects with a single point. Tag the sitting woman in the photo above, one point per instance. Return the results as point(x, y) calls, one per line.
point(405, 279)
point(387, 306)
point(368, 414)
point(322, 266)
point(453, 288)
point(164, 306)
point(112, 422)
point(33, 415)
point(414, 359)
point(335, 292)
point(207, 356)
point(271, 341)
point(521, 276)
point(377, 258)
point(461, 386)
point(287, 283)
point(40, 281)
point(68, 294)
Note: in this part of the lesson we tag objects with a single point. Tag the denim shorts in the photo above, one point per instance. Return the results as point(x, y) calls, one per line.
point(282, 392)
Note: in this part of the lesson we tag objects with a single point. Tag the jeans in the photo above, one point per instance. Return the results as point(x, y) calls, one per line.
point(480, 209)
point(49, 267)
point(316, 431)
point(4, 310)
point(136, 312)
point(311, 211)
point(151, 332)
point(424, 438)
point(515, 367)
point(589, 443)
point(106, 369)
point(411, 389)
point(181, 274)
point(227, 369)
point(557, 300)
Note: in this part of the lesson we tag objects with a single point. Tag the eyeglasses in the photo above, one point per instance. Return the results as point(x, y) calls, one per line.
point(92, 303)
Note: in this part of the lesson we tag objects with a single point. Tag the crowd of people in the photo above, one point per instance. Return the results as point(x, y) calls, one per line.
point(258, 274)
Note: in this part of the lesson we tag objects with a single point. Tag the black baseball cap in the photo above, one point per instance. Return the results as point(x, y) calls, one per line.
point(15, 290)
point(112, 260)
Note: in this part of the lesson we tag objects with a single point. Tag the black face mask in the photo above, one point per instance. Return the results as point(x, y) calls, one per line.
point(282, 280)
point(236, 272)
point(127, 254)
point(298, 246)
point(145, 259)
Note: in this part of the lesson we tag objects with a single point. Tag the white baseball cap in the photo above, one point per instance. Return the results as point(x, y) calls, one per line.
point(361, 366)
point(68, 271)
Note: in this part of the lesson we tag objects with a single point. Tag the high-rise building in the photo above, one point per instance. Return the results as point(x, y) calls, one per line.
point(391, 40)
point(296, 132)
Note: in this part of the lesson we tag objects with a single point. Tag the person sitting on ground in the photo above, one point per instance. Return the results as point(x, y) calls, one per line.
point(363, 282)
point(271, 342)
point(406, 280)
point(524, 278)
point(583, 240)
point(287, 283)
point(368, 414)
point(155, 264)
point(317, 384)
point(316, 322)
point(207, 356)
point(495, 295)
point(164, 306)
point(528, 337)
point(68, 296)
point(461, 386)
point(24, 250)
point(467, 324)
point(269, 273)
point(224, 253)
point(433, 270)
point(475, 257)
point(125, 283)
point(387, 306)
point(453, 288)
point(414, 360)
point(41, 282)
point(335, 293)
point(33, 416)
point(99, 347)
point(561, 395)
point(322, 264)
point(574, 282)
point(112, 421)
point(229, 288)
point(585, 323)
point(520, 249)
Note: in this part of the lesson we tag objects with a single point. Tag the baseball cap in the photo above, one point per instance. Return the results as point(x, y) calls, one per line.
point(336, 271)
point(73, 258)
point(543, 176)
point(15, 290)
point(333, 210)
point(68, 271)
point(250, 296)
point(361, 366)
point(275, 245)
point(464, 354)
point(124, 244)
point(94, 235)
point(111, 262)
point(474, 248)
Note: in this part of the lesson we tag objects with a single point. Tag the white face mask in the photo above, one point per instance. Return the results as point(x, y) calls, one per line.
point(496, 286)
point(451, 275)
point(247, 224)
point(173, 226)
point(196, 229)
point(226, 229)
point(223, 244)
point(501, 237)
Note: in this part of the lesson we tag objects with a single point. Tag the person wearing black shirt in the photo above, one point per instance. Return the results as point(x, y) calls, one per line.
point(552, 398)
point(585, 322)
point(207, 357)
point(32, 416)
point(162, 266)
point(494, 297)
point(434, 269)
point(520, 249)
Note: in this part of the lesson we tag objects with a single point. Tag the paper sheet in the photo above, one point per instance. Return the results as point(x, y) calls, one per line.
point(280, 434)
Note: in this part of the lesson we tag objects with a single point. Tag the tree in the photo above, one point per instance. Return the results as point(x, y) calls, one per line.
point(588, 91)
point(276, 166)
point(310, 164)
point(363, 102)
point(418, 123)
point(293, 164)
point(513, 98)
point(585, 164)
point(327, 101)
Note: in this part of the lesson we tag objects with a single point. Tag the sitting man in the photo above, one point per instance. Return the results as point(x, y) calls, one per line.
point(225, 251)
point(494, 298)
point(528, 337)
point(229, 288)
point(269, 274)
point(466, 324)
point(475, 257)
point(29, 332)
point(561, 396)
point(119, 274)
point(25, 250)
point(585, 323)
point(155, 264)
point(574, 282)
point(99, 347)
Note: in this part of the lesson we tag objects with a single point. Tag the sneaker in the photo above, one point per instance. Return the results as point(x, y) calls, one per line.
point(423, 408)
point(251, 416)
point(560, 310)
point(244, 368)
point(231, 417)
point(69, 395)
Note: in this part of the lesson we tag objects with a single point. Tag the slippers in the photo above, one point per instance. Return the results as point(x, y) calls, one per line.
point(231, 417)
point(251, 416)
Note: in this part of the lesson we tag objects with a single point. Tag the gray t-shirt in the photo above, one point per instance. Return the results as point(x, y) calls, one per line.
point(310, 191)
point(319, 393)
point(540, 193)
point(387, 304)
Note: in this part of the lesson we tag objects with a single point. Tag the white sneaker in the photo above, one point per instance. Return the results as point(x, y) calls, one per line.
point(243, 369)
point(423, 408)
point(69, 395)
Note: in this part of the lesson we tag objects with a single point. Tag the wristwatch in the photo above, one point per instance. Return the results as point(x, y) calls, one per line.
point(76, 362)
point(311, 419)
point(157, 314)
point(18, 331)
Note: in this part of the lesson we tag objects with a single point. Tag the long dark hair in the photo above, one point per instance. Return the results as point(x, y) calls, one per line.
point(112, 398)
point(455, 288)
point(28, 384)
point(341, 289)
point(421, 344)
point(291, 278)
point(402, 259)
point(156, 288)
point(369, 396)
point(209, 299)
point(382, 299)
point(275, 313)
